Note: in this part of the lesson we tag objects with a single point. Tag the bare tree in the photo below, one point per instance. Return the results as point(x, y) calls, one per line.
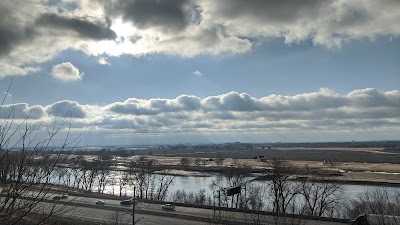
point(219, 161)
point(142, 177)
point(185, 162)
point(203, 162)
point(255, 201)
point(381, 203)
point(197, 161)
point(162, 190)
point(28, 166)
point(282, 191)
point(235, 177)
point(103, 176)
point(320, 199)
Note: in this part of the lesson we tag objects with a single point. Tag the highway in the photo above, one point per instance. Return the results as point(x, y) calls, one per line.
point(85, 208)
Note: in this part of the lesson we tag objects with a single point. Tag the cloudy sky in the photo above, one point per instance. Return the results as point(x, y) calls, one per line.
point(181, 71)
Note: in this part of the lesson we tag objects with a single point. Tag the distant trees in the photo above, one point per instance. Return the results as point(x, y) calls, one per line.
point(197, 161)
point(185, 162)
point(197, 198)
point(219, 160)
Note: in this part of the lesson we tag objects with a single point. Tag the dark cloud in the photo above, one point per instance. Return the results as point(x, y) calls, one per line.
point(66, 108)
point(168, 15)
point(269, 11)
point(87, 29)
point(12, 33)
point(16, 29)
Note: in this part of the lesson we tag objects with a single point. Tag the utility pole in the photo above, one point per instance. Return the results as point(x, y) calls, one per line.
point(214, 204)
point(133, 207)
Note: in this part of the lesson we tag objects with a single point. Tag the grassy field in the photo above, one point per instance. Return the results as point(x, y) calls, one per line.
point(363, 164)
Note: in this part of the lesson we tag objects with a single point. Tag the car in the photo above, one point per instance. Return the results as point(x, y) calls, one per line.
point(57, 197)
point(100, 202)
point(127, 202)
point(168, 206)
point(64, 196)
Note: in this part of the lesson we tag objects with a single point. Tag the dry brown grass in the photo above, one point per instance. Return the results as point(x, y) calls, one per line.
point(353, 171)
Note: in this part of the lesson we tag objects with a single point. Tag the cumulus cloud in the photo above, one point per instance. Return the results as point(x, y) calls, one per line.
point(32, 32)
point(40, 30)
point(66, 108)
point(66, 72)
point(327, 23)
point(104, 61)
point(321, 111)
point(156, 106)
point(21, 111)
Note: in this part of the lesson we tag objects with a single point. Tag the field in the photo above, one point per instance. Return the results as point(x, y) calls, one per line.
point(355, 164)
point(343, 163)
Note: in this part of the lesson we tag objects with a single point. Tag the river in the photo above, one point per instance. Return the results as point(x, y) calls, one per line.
point(196, 183)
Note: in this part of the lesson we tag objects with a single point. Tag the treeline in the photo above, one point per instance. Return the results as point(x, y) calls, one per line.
point(173, 150)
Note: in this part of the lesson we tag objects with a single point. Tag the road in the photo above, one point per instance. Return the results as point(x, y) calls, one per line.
point(84, 207)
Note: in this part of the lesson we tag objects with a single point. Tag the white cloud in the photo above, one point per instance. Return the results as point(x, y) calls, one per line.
point(67, 72)
point(21, 111)
point(66, 108)
point(104, 61)
point(366, 110)
point(197, 73)
point(35, 32)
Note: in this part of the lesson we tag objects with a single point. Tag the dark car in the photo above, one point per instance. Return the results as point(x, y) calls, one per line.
point(127, 202)
point(57, 197)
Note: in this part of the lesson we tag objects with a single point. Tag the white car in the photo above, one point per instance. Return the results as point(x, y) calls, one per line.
point(100, 202)
point(168, 206)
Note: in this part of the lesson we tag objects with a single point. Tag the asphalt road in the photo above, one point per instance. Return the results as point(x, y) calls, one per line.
point(154, 214)
point(85, 208)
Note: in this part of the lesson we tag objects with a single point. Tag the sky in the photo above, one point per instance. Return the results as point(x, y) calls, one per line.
point(126, 72)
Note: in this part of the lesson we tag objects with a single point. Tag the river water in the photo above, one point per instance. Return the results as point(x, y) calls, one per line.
point(196, 183)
